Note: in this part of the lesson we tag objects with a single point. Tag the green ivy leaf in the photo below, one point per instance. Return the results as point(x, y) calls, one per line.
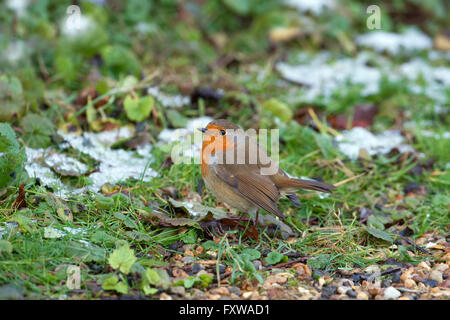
point(120, 60)
point(210, 245)
point(380, 234)
point(104, 203)
point(5, 246)
point(319, 262)
point(241, 7)
point(38, 130)
point(12, 102)
point(206, 280)
point(149, 290)
point(278, 109)
point(176, 119)
point(253, 254)
point(138, 109)
point(126, 220)
point(122, 258)
point(190, 281)
point(190, 237)
point(113, 283)
point(12, 156)
point(275, 257)
point(152, 277)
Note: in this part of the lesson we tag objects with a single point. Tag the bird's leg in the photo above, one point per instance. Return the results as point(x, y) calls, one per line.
point(256, 218)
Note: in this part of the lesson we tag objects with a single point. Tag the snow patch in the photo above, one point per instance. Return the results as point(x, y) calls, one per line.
point(323, 78)
point(169, 101)
point(352, 141)
point(394, 43)
point(115, 164)
point(316, 7)
point(190, 148)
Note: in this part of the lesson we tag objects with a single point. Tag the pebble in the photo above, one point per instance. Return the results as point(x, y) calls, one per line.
point(223, 291)
point(222, 268)
point(178, 273)
point(257, 264)
point(396, 277)
point(187, 260)
point(302, 269)
point(372, 269)
point(385, 283)
point(436, 276)
point(199, 250)
point(391, 293)
point(342, 290)
point(247, 295)
point(424, 265)
point(187, 247)
point(351, 293)
point(406, 274)
point(197, 293)
point(445, 284)
point(345, 282)
point(181, 291)
point(275, 279)
point(441, 267)
point(203, 272)
point(196, 268)
point(430, 282)
point(362, 296)
point(373, 291)
point(211, 253)
point(410, 283)
point(165, 296)
point(235, 290)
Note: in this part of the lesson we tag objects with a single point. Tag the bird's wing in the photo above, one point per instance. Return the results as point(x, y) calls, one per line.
point(247, 180)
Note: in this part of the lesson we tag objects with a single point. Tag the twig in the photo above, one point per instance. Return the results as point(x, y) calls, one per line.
point(322, 127)
point(423, 250)
point(390, 271)
point(348, 180)
point(280, 265)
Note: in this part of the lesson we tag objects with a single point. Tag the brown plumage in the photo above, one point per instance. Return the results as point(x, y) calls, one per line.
point(242, 185)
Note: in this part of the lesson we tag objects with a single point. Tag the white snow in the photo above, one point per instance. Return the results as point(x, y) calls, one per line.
point(393, 43)
point(169, 101)
point(187, 142)
point(323, 77)
point(352, 141)
point(316, 7)
point(115, 164)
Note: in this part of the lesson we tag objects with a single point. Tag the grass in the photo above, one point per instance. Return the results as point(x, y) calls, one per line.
point(332, 230)
point(337, 235)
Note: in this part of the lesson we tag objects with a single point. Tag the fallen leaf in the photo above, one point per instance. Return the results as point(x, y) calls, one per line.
point(122, 258)
point(20, 200)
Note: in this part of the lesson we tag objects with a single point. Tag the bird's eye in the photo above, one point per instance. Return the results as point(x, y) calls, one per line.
point(222, 132)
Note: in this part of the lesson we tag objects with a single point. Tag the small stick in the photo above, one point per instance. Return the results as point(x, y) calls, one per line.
point(348, 180)
point(287, 263)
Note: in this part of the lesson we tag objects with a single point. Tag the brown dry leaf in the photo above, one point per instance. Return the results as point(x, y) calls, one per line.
point(20, 200)
point(442, 42)
point(221, 226)
point(281, 34)
point(176, 222)
point(363, 116)
point(84, 95)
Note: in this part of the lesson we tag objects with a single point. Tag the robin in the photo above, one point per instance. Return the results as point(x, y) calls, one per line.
point(240, 173)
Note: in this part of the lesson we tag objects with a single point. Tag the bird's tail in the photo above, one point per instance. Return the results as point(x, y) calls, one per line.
point(292, 183)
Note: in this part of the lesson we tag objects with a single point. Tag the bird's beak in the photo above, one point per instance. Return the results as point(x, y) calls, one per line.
point(202, 129)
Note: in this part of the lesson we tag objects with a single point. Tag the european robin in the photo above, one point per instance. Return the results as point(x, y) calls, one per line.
point(240, 173)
